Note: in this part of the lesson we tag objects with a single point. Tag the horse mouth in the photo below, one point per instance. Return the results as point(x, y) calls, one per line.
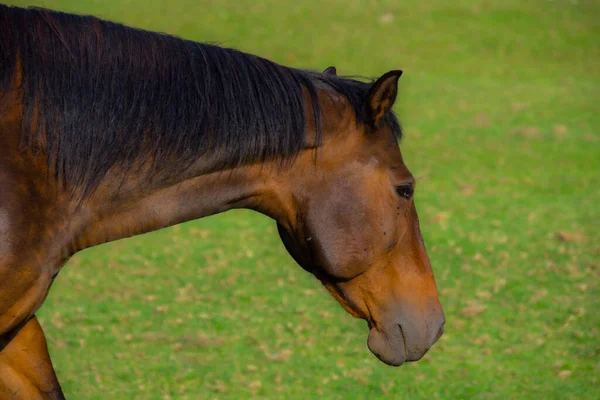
point(403, 341)
point(388, 346)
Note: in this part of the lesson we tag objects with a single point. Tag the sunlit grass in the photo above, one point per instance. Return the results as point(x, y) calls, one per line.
point(500, 103)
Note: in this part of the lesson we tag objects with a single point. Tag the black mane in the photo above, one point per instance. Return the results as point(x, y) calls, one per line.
point(102, 93)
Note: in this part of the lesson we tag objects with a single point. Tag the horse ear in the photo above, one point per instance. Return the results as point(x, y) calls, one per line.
point(382, 95)
point(330, 71)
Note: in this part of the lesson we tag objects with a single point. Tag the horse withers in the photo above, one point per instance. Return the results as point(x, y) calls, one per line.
point(108, 131)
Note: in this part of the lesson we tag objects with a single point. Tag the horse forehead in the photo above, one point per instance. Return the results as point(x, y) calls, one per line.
point(359, 154)
point(384, 148)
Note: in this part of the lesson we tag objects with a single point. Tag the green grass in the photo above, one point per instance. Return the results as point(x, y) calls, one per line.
point(501, 106)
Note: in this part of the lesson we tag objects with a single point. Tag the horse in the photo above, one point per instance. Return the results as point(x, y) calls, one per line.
point(108, 131)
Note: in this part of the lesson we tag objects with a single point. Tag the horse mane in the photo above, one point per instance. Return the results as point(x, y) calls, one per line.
point(99, 93)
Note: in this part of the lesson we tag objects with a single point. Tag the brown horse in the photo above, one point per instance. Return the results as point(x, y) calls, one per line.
point(108, 132)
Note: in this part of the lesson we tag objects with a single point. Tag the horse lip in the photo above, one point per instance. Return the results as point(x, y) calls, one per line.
point(403, 342)
point(383, 344)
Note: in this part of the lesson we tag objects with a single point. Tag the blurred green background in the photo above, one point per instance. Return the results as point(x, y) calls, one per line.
point(501, 106)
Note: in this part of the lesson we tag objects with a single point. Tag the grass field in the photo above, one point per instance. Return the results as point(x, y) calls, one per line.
point(501, 105)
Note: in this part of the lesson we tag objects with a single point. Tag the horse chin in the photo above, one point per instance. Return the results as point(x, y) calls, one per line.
point(388, 347)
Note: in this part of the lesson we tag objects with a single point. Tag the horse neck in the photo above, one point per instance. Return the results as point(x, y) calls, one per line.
point(149, 206)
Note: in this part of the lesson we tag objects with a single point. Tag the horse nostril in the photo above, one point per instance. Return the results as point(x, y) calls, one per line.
point(435, 331)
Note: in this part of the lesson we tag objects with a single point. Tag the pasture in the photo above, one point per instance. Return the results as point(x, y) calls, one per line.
point(500, 102)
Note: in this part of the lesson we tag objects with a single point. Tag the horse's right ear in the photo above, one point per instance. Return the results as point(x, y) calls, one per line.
point(382, 95)
point(330, 71)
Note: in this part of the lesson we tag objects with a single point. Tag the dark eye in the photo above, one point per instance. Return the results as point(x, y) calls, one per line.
point(405, 191)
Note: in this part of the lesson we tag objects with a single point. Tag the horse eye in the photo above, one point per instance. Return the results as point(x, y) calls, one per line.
point(405, 191)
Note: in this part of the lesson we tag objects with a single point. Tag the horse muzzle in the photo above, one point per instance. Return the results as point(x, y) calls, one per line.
point(406, 340)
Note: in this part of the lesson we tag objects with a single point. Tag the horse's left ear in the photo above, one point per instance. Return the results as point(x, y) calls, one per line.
point(330, 71)
point(382, 95)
